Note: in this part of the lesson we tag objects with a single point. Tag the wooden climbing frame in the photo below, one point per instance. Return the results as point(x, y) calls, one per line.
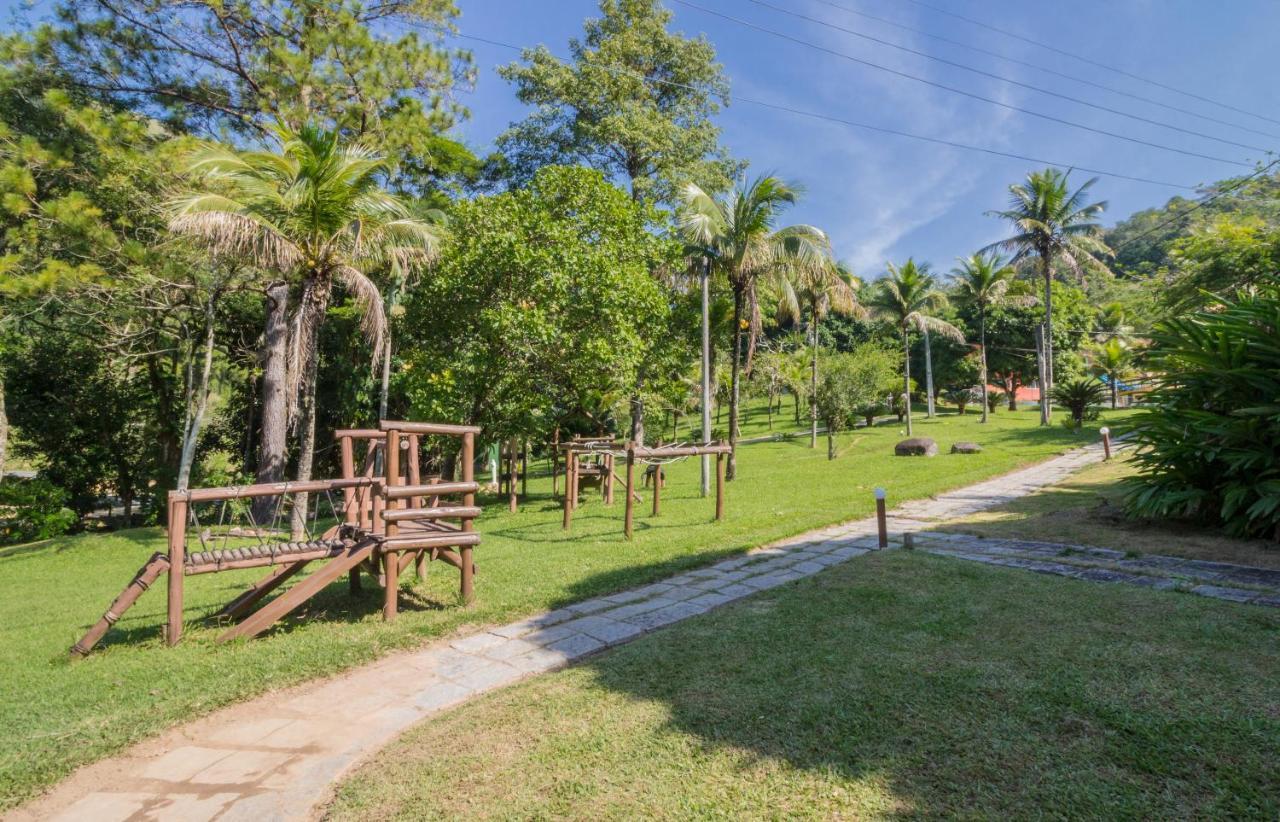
point(390, 518)
point(607, 451)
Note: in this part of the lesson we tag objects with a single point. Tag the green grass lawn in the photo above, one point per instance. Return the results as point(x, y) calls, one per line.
point(58, 714)
point(897, 684)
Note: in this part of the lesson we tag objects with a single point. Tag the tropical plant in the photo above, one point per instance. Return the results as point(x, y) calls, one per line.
point(962, 397)
point(313, 213)
point(740, 231)
point(811, 292)
point(1113, 360)
point(1079, 396)
point(994, 399)
point(1053, 224)
point(908, 298)
point(1208, 439)
point(982, 282)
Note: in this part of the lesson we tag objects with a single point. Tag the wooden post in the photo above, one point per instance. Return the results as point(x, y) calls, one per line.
point(177, 561)
point(390, 560)
point(657, 489)
point(631, 485)
point(608, 479)
point(882, 520)
point(571, 465)
point(468, 525)
point(348, 472)
point(1106, 442)
point(568, 497)
point(719, 487)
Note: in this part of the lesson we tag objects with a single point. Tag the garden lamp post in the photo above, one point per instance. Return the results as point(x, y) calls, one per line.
point(882, 520)
point(1106, 442)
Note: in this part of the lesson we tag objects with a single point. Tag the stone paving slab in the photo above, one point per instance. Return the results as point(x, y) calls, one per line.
point(281, 763)
point(1217, 580)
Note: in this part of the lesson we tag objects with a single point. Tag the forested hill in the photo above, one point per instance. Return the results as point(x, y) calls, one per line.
point(1143, 242)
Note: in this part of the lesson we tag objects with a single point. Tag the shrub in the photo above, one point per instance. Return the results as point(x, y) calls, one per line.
point(1081, 397)
point(31, 510)
point(1209, 434)
point(962, 397)
point(994, 400)
point(849, 383)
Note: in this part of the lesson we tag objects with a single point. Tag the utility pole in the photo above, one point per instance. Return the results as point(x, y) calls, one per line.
point(706, 371)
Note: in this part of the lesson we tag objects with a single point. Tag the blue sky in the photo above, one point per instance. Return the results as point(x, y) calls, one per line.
point(883, 197)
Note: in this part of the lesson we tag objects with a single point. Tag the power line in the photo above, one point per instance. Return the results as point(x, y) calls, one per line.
point(1089, 61)
point(855, 124)
point(1045, 69)
point(1008, 80)
point(1199, 205)
point(962, 92)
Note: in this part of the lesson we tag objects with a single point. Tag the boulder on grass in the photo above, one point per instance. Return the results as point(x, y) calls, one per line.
point(966, 448)
point(916, 447)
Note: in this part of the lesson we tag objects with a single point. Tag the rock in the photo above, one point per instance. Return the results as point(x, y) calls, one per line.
point(966, 448)
point(916, 447)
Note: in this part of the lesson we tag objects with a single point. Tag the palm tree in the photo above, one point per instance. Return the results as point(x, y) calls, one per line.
point(740, 231)
point(1114, 360)
point(812, 292)
point(314, 214)
point(908, 298)
point(982, 281)
point(1053, 224)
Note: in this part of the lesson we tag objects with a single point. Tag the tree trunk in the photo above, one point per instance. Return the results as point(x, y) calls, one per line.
point(637, 415)
point(1115, 393)
point(315, 301)
point(928, 376)
point(813, 386)
point(1012, 384)
point(831, 442)
point(385, 388)
point(1042, 376)
point(195, 418)
point(982, 346)
point(1047, 346)
point(273, 445)
point(4, 431)
point(906, 377)
point(731, 467)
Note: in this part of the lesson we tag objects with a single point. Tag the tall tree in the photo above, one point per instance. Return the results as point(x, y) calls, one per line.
point(909, 298)
point(741, 229)
point(1054, 225)
point(635, 100)
point(374, 71)
point(810, 293)
point(982, 282)
point(314, 213)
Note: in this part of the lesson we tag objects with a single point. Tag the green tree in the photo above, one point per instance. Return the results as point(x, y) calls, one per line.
point(1054, 225)
point(377, 72)
point(635, 101)
point(313, 213)
point(850, 383)
point(541, 304)
point(909, 298)
point(982, 282)
point(812, 292)
point(741, 229)
point(1221, 258)
point(1114, 360)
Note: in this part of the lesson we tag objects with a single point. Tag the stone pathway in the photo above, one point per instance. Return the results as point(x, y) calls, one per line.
point(1217, 580)
point(278, 756)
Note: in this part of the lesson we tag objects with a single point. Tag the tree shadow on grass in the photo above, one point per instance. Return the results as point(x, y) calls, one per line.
point(922, 678)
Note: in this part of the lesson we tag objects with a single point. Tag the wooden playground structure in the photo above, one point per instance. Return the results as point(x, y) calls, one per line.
point(594, 460)
point(388, 518)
